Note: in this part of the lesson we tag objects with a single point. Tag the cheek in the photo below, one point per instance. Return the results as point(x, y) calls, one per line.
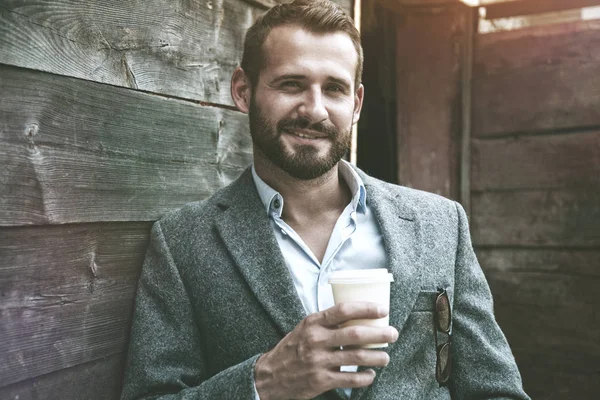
point(279, 108)
point(342, 115)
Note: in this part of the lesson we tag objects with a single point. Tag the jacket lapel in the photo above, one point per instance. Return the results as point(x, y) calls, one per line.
point(247, 233)
point(401, 232)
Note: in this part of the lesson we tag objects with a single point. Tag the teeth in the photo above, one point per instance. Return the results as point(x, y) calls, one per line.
point(302, 135)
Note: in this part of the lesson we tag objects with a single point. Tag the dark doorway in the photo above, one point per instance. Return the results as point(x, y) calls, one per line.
point(376, 152)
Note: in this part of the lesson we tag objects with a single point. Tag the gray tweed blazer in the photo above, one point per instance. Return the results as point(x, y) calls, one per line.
point(215, 293)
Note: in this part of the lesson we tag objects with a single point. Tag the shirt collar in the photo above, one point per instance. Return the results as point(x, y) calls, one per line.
point(267, 194)
point(273, 201)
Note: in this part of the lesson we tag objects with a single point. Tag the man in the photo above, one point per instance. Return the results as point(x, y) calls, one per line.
point(233, 300)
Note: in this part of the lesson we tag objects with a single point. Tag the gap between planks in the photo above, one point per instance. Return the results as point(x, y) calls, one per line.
point(542, 132)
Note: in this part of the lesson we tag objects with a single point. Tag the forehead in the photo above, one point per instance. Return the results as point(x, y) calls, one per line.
point(292, 49)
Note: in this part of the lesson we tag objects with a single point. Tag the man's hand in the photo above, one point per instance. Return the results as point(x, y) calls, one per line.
point(307, 361)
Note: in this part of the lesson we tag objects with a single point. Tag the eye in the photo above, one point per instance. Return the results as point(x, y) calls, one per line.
point(335, 88)
point(290, 84)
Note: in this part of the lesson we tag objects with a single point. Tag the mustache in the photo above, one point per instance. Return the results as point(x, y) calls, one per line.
point(303, 123)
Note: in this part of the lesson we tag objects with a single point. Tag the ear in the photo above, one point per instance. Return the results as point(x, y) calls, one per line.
point(240, 90)
point(358, 102)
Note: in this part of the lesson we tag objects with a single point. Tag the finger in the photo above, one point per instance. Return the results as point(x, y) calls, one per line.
point(343, 312)
point(353, 379)
point(357, 335)
point(362, 357)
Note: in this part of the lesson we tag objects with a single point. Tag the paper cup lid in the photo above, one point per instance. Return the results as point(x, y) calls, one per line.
point(358, 276)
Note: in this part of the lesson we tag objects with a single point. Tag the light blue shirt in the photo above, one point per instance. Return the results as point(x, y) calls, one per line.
point(355, 243)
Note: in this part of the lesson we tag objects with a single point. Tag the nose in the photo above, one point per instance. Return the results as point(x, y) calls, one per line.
point(312, 107)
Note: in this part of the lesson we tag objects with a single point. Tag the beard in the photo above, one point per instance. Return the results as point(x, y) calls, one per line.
point(303, 162)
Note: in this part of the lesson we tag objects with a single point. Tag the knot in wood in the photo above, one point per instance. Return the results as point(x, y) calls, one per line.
point(31, 130)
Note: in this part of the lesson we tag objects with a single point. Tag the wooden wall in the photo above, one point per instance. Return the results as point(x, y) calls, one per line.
point(112, 112)
point(536, 198)
point(519, 112)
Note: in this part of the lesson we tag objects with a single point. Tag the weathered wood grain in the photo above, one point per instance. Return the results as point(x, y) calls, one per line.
point(567, 161)
point(186, 49)
point(66, 294)
point(543, 295)
point(569, 333)
point(429, 54)
point(346, 4)
point(536, 79)
point(545, 302)
point(556, 378)
point(554, 218)
point(75, 151)
point(401, 5)
point(556, 342)
point(514, 8)
point(97, 380)
point(512, 266)
point(548, 279)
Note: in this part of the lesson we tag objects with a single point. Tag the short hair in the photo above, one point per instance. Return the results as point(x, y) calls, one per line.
point(316, 16)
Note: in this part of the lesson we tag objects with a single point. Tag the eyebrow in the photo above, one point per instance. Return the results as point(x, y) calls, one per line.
point(288, 76)
point(341, 82)
point(333, 79)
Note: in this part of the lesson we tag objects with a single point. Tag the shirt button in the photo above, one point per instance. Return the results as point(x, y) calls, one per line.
point(277, 203)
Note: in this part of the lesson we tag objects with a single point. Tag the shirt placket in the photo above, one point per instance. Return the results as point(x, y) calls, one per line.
point(324, 295)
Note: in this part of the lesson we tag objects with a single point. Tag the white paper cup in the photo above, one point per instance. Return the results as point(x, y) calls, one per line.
point(372, 285)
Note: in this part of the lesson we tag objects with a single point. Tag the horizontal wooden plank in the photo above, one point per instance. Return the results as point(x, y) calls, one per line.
point(568, 161)
point(407, 6)
point(506, 52)
point(554, 378)
point(67, 294)
point(549, 382)
point(186, 49)
point(568, 333)
point(545, 302)
point(96, 380)
point(527, 7)
point(556, 218)
point(511, 265)
point(537, 79)
point(555, 341)
point(547, 278)
point(75, 151)
point(398, 4)
point(558, 285)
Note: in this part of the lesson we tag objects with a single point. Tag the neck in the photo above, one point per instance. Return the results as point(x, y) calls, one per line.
point(306, 199)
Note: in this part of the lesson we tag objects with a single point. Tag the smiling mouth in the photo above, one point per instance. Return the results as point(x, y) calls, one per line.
point(306, 135)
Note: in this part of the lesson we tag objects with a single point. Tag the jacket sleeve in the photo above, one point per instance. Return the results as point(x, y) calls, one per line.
point(166, 354)
point(483, 366)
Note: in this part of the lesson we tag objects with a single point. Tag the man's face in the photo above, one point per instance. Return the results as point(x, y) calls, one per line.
point(304, 103)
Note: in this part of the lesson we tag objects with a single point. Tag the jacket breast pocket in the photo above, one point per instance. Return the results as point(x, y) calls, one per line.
point(414, 353)
point(425, 301)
